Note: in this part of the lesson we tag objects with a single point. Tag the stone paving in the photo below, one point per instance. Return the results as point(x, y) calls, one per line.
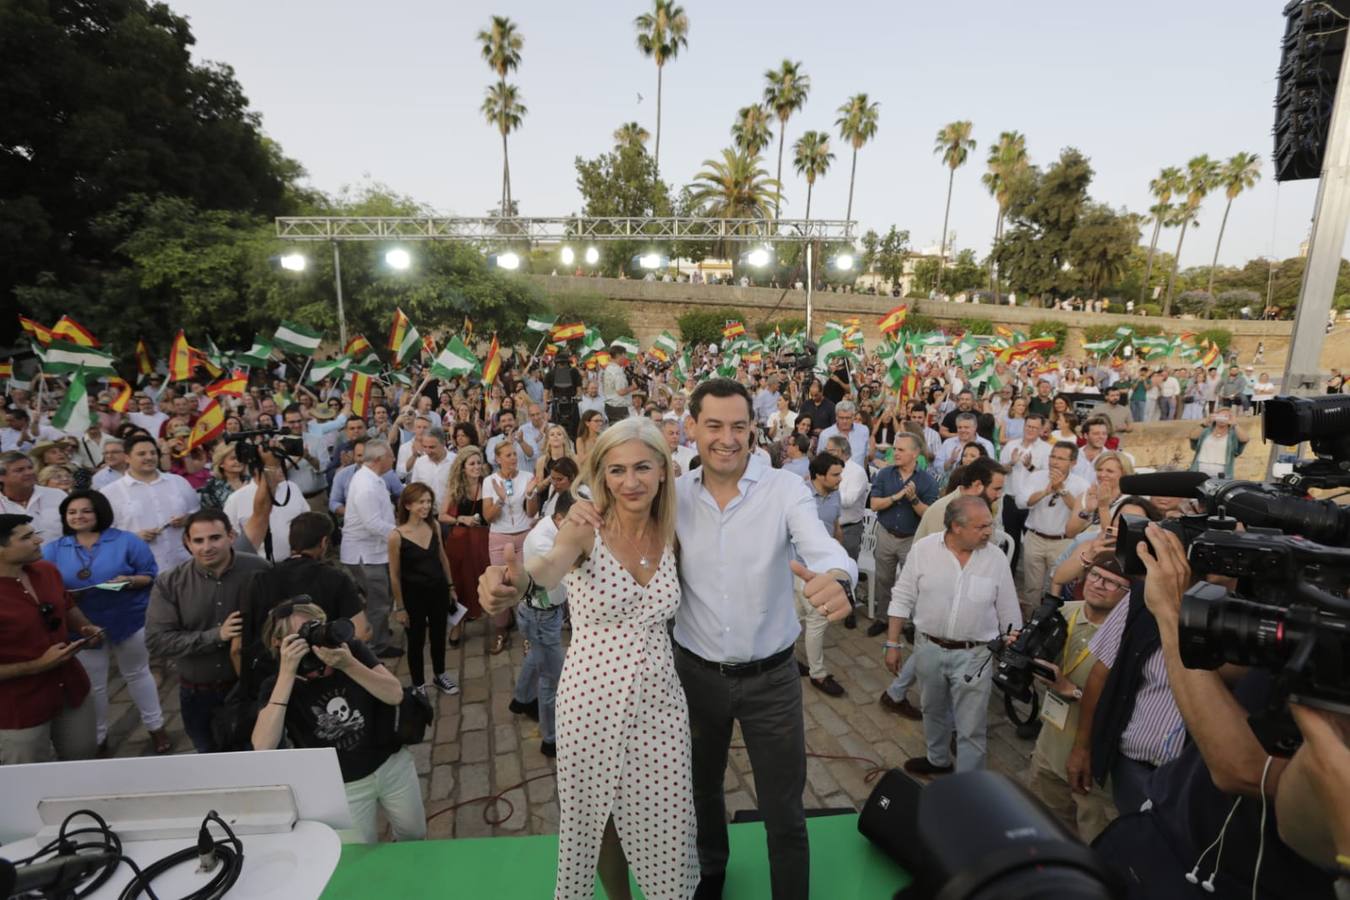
point(479, 748)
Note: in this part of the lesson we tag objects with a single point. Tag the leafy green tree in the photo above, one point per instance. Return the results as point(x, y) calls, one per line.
point(954, 144)
point(733, 187)
point(500, 45)
point(1008, 165)
point(1100, 245)
point(1241, 172)
point(1043, 212)
point(704, 326)
point(1201, 176)
point(925, 278)
point(621, 183)
point(891, 255)
point(966, 273)
point(857, 124)
point(785, 92)
point(662, 33)
point(871, 244)
point(751, 131)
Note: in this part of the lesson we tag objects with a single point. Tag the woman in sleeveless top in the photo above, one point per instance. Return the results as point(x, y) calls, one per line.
point(419, 578)
point(624, 786)
point(467, 544)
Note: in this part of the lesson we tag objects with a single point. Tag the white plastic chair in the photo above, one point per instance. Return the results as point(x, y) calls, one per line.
point(867, 562)
point(1006, 544)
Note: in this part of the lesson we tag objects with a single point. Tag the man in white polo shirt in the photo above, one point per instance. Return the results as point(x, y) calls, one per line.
point(1049, 496)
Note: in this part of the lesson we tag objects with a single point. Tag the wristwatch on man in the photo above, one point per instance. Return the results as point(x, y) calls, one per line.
point(848, 590)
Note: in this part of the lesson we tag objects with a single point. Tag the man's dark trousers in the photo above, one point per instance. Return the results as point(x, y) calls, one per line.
point(769, 707)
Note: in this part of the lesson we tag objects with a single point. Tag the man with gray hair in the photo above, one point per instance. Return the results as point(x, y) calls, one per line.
point(366, 525)
point(949, 454)
point(853, 489)
point(959, 592)
point(432, 467)
point(846, 424)
point(114, 464)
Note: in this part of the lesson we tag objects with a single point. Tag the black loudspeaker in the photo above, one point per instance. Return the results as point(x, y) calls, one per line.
point(1313, 47)
point(890, 818)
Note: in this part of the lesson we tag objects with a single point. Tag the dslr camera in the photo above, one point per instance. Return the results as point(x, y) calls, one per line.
point(248, 443)
point(331, 634)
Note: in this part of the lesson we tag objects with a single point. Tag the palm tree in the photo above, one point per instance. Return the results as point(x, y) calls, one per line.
point(661, 34)
point(1170, 180)
point(751, 131)
point(857, 124)
point(631, 134)
point(1242, 171)
point(503, 109)
point(785, 93)
point(1201, 175)
point(501, 43)
point(954, 143)
point(1007, 163)
point(733, 187)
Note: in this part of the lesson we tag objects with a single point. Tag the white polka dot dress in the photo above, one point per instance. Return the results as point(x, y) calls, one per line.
point(623, 732)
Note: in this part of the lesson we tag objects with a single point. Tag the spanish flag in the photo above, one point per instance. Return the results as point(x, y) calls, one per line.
point(358, 392)
point(569, 332)
point(7, 369)
point(399, 331)
point(181, 358)
point(145, 364)
point(429, 346)
point(73, 331)
point(209, 426)
point(1211, 355)
point(732, 329)
point(493, 364)
point(658, 354)
point(910, 386)
point(1003, 331)
point(891, 322)
point(38, 332)
point(122, 401)
point(232, 385)
point(358, 347)
point(468, 329)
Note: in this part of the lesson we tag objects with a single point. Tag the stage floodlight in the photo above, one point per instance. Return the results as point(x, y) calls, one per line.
point(650, 261)
point(569, 256)
point(592, 256)
point(294, 262)
point(398, 259)
point(759, 257)
point(843, 262)
point(508, 261)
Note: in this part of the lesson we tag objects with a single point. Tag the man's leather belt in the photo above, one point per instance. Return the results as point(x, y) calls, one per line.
point(740, 670)
point(953, 645)
point(1048, 537)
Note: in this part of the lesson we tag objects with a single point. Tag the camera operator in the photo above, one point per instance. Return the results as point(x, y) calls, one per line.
point(331, 697)
point(562, 383)
point(1218, 793)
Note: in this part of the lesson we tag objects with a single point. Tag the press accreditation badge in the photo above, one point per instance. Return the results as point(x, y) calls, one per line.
point(1055, 710)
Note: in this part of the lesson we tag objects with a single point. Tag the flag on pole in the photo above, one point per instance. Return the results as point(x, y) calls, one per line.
point(429, 345)
point(209, 425)
point(73, 416)
point(73, 331)
point(232, 385)
point(331, 369)
point(398, 333)
point(63, 357)
point(493, 363)
point(122, 402)
point(297, 339)
point(666, 341)
point(358, 347)
point(455, 360)
point(7, 369)
point(541, 324)
point(180, 358)
point(412, 343)
point(593, 342)
point(145, 363)
point(568, 332)
point(38, 332)
point(831, 345)
point(1100, 348)
point(258, 355)
point(1211, 355)
point(627, 343)
point(891, 322)
point(358, 392)
point(683, 366)
point(732, 329)
point(984, 372)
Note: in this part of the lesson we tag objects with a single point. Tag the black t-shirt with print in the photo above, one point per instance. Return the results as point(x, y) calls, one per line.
point(334, 711)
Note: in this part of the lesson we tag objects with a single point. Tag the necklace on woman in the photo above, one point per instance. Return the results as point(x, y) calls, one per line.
point(86, 560)
point(643, 561)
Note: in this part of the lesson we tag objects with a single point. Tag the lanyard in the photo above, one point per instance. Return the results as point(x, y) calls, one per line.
point(1068, 640)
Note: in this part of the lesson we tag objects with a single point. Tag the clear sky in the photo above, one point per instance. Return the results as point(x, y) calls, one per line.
point(390, 92)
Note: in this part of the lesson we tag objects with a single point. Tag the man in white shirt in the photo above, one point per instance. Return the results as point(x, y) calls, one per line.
point(932, 441)
point(591, 399)
point(1096, 431)
point(958, 590)
point(21, 495)
point(1167, 396)
point(1030, 454)
point(433, 464)
point(411, 448)
point(153, 504)
point(146, 415)
point(1050, 496)
point(854, 487)
point(614, 385)
point(506, 422)
point(239, 508)
point(114, 464)
point(846, 424)
point(681, 454)
point(532, 432)
point(741, 525)
point(950, 452)
point(366, 524)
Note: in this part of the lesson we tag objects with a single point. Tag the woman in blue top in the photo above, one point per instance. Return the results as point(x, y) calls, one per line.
point(94, 558)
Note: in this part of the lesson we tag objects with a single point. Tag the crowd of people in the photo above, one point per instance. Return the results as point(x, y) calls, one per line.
point(688, 535)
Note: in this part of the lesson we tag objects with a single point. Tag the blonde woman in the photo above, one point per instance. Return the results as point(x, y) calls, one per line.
point(466, 546)
point(1100, 501)
point(622, 719)
point(557, 445)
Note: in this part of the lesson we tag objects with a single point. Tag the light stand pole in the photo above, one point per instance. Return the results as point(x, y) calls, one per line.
point(809, 279)
point(337, 283)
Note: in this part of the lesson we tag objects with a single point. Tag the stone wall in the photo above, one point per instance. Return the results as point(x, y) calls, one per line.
point(1160, 444)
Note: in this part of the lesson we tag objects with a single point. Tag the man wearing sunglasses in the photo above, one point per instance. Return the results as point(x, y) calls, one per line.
point(1050, 496)
point(45, 710)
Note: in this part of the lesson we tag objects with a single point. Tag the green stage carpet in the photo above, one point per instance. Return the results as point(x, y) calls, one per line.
point(844, 866)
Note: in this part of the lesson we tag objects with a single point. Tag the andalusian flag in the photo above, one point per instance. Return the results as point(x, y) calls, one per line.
point(62, 357)
point(984, 373)
point(627, 343)
point(493, 364)
point(334, 369)
point(455, 360)
point(732, 329)
point(38, 332)
point(122, 402)
point(1100, 348)
point(73, 331)
point(593, 342)
point(831, 345)
point(1124, 331)
point(891, 322)
point(569, 332)
point(358, 392)
point(297, 339)
point(358, 347)
point(258, 355)
point(896, 362)
point(684, 366)
point(181, 358)
point(145, 363)
point(73, 416)
point(209, 425)
point(541, 324)
point(666, 341)
point(232, 385)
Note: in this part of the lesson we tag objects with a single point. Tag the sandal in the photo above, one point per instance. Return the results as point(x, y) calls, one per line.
point(456, 632)
point(499, 643)
point(162, 742)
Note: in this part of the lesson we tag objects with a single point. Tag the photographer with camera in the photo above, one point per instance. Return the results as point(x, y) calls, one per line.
point(562, 386)
point(1217, 443)
point(331, 691)
point(1223, 789)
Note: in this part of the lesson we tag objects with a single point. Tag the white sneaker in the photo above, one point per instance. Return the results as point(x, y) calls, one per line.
point(446, 684)
point(420, 689)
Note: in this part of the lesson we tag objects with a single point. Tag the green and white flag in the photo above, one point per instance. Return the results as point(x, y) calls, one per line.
point(398, 377)
point(297, 339)
point(666, 341)
point(627, 343)
point(835, 326)
point(1124, 331)
point(683, 366)
point(541, 324)
point(967, 351)
point(831, 345)
point(63, 357)
point(728, 369)
point(1100, 348)
point(333, 369)
point(984, 373)
point(257, 356)
point(592, 342)
point(412, 342)
point(897, 364)
point(455, 360)
point(73, 416)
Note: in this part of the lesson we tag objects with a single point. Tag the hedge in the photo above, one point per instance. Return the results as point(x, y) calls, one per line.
point(975, 326)
point(764, 327)
point(1220, 336)
point(704, 326)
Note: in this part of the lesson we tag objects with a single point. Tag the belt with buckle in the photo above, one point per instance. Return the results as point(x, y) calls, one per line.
point(740, 670)
point(1048, 537)
point(952, 645)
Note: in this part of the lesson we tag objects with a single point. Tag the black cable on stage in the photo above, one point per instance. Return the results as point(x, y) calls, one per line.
point(65, 843)
point(225, 855)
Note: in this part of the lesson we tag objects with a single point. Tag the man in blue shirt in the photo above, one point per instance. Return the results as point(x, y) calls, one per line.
point(796, 455)
point(337, 497)
point(827, 470)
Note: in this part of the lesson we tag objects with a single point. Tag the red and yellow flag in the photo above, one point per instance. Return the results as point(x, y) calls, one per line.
point(493, 364)
point(429, 345)
point(358, 392)
point(1211, 355)
point(658, 354)
point(7, 369)
point(1003, 331)
point(209, 426)
point(892, 321)
point(1026, 348)
point(399, 330)
point(910, 386)
point(568, 332)
point(358, 347)
point(468, 329)
point(73, 331)
point(733, 329)
point(122, 402)
point(181, 358)
point(37, 331)
point(145, 363)
point(232, 385)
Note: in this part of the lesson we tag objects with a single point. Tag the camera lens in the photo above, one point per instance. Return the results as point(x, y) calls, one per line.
point(1216, 628)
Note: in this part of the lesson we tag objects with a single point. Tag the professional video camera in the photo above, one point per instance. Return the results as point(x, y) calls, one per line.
point(331, 634)
point(248, 443)
point(804, 361)
point(1042, 637)
point(1289, 613)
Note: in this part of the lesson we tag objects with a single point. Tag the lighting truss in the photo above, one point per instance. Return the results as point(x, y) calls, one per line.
point(496, 229)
